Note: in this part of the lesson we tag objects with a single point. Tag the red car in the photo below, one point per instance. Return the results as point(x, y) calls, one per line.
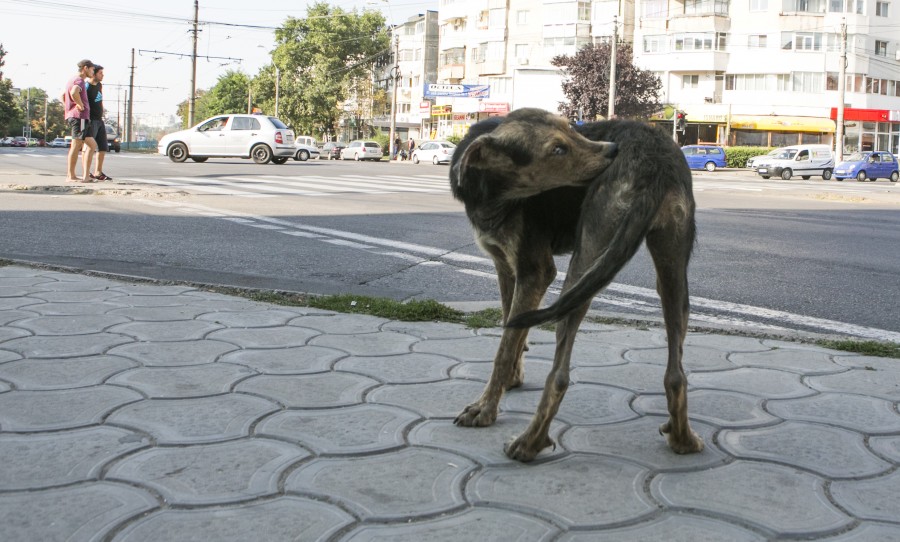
point(20, 142)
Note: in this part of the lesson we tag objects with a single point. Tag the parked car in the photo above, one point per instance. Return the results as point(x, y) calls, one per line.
point(258, 137)
point(362, 150)
point(436, 152)
point(59, 142)
point(707, 157)
point(332, 150)
point(20, 142)
point(753, 161)
point(6, 141)
point(112, 139)
point(32, 142)
point(802, 160)
point(868, 166)
point(306, 148)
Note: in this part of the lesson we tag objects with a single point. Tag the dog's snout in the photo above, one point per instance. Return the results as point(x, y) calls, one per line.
point(611, 150)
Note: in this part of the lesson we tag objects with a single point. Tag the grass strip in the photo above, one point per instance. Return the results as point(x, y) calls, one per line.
point(868, 348)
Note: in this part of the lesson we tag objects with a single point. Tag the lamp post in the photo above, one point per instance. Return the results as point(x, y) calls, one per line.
point(395, 77)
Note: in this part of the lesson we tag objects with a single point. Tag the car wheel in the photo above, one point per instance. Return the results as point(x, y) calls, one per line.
point(261, 154)
point(356, 157)
point(861, 176)
point(826, 174)
point(805, 177)
point(415, 159)
point(178, 152)
point(786, 174)
point(279, 159)
point(303, 155)
point(894, 176)
point(434, 160)
point(710, 166)
point(766, 176)
point(199, 159)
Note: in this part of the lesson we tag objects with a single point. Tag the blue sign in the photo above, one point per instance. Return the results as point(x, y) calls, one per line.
point(433, 90)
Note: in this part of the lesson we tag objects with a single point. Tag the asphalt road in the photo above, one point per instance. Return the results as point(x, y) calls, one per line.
point(772, 255)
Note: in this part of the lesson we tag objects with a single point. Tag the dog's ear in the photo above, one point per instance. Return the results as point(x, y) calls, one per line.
point(472, 155)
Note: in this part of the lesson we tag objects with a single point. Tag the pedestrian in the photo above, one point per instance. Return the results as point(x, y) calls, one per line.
point(78, 119)
point(396, 147)
point(412, 147)
point(94, 87)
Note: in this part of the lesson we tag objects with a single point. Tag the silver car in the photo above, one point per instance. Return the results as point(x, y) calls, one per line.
point(436, 152)
point(259, 137)
point(362, 150)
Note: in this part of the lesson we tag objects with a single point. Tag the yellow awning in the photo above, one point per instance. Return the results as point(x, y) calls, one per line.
point(782, 123)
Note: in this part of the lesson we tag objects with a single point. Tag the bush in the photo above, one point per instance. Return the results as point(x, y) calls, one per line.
point(737, 157)
point(384, 141)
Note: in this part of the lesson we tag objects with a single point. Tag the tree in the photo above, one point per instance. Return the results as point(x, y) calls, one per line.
point(587, 84)
point(229, 94)
point(319, 56)
point(2, 61)
point(10, 114)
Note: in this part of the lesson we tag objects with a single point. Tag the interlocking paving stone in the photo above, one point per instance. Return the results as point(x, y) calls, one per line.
point(884, 383)
point(60, 409)
point(584, 353)
point(637, 377)
point(295, 360)
point(869, 532)
point(477, 524)
point(33, 461)
point(77, 296)
point(720, 408)
point(467, 349)
point(829, 451)
point(866, 362)
point(65, 346)
point(7, 303)
point(399, 369)
point(9, 316)
point(152, 300)
point(153, 290)
point(856, 412)
point(166, 331)
point(70, 325)
point(535, 372)
point(158, 314)
point(258, 318)
point(432, 400)
point(350, 430)
point(267, 337)
point(670, 528)
point(310, 391)
point(191, 381)
point(340, 324)
point(583, 404)
point(174, 353)
point(81, 512)
point(429, 330)
point(222, 473)
point(283, 519)
point(395, 485)
point(762, 382)
point(639, 441)
point(6, 355)
point(482, 444)
point(800, 361)
point(782, 499)
point(696, 358)
point(383, 343)
point(874, 498)
point(192, 421)
point(50, 374)
point(727, 343)
point(887, 446)
point(575, 490)
point(8, 333)
point(74, 309)
point(627, 337)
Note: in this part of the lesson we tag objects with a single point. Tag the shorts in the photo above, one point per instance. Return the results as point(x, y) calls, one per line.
point(98, 132)
point(80, 128)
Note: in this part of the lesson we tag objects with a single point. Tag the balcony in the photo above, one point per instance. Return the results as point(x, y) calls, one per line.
point(451, 72)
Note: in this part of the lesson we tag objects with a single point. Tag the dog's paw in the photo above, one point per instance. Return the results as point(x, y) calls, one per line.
point(476, 415)
point(690, 443)
point(524, 449)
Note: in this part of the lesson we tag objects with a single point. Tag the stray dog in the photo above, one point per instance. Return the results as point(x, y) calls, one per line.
point(534, 186)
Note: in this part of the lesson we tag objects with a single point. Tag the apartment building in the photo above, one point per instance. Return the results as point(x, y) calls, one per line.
point(747, 72)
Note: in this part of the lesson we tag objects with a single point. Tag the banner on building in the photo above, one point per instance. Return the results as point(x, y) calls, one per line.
point(493, 107)
point(433, 90)
point(441, 110)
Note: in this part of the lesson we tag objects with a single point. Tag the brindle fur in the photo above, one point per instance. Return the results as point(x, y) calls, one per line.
point(528, 200)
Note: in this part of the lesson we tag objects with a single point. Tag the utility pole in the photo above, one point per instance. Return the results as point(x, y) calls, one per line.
point(611, 109)
point(130, 119)
point(46, 103)
point(842, 83)
point(395, 75)
point(277, 87)
point(193, 99)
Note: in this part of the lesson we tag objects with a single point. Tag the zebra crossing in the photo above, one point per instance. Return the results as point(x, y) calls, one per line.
point(262, 186)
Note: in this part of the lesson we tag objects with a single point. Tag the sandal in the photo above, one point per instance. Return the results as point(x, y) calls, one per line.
point(103, 177)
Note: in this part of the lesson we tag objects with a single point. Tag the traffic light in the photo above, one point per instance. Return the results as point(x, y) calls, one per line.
point(680, 121)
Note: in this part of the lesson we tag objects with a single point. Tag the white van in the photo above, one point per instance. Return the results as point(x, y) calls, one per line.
point(798, 160)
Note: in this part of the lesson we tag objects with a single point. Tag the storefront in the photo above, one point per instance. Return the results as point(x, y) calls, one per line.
point(779, 130)
point(870, 129)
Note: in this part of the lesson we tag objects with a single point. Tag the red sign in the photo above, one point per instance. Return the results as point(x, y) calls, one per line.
point(865, 115)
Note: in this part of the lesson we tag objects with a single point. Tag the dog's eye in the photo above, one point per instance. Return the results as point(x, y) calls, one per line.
point(560, 150)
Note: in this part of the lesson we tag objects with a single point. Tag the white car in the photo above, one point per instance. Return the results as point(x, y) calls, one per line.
point(306, 148)
point(436, 152)
point(362, 150)
point(59, 142)
point(258, 137)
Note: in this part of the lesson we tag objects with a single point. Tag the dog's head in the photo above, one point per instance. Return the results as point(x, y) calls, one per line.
point(528, 152)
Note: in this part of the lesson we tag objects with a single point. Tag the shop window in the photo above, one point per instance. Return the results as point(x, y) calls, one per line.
point(810, 139)
point(750, 138)
point(783, 139)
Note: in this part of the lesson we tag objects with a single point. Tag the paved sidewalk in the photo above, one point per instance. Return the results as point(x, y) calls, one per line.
point(141, 412)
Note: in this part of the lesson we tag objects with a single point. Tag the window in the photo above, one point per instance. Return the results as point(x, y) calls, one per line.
point(803, 6)
point(881, 48)
point(655, 44)
point(831, 81)
point(757, 41)
point(690, 81)
point(706, 7)
point(584, 11)
point(497, 18)
point(748, 81)
point(881, 9)
point(759, 5)
point(801, 41)
point(521, 50)
point(655, 9)
point(522, 17)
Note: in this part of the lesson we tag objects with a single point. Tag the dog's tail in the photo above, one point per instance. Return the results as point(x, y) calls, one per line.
point(621, 245)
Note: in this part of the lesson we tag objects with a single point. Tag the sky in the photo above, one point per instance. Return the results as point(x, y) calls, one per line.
point(45, 39)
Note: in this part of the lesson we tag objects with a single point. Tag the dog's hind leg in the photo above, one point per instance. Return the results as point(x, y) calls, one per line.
point(670, 246)
point(533, 275)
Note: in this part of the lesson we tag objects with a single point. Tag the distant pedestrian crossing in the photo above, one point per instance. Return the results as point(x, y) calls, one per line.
point(261, 186)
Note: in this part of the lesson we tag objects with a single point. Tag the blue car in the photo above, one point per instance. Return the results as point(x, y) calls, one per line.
point(707, 157)
point(868, 166)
